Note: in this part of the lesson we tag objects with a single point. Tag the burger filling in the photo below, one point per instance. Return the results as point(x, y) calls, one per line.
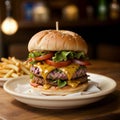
point(59, 69)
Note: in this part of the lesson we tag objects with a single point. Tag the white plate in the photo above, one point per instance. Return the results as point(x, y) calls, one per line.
point(12, 87)
point(3, 80)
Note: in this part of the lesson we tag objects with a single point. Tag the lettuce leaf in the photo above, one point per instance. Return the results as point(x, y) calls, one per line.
point(65, 55)
point(61, 83)
point(61, 56)
point(36, 54)
point(80, 55)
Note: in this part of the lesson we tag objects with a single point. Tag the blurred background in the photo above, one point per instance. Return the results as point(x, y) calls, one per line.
point(97, 21)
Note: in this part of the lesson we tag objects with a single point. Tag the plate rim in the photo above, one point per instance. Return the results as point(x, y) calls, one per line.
point(93, 95)
point(5, 79)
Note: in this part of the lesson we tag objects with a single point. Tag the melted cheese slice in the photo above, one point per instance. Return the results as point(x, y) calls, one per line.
point(45, 69)
point(69, 70)
point(73, 83)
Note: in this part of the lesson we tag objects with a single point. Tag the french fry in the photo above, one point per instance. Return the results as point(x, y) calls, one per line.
point(5, 60)
point(14, 75)
point(26, 71)
point(1, 75)
point(12, 67)
point(4, 71)
point(8, 74)
point(15, 61)
point(26, 64)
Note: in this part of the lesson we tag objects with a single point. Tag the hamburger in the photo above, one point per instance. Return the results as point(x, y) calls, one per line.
point(59, 59)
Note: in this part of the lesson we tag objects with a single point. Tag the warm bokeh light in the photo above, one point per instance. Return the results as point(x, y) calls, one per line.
point(9, 26)
point(71, 12)
point(40, 13)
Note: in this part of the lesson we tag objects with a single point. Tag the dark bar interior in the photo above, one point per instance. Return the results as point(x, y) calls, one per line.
point(100, 29)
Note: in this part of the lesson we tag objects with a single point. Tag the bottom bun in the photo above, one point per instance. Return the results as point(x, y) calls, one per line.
point(62, 91)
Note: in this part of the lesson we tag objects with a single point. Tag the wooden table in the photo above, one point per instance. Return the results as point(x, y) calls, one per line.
point(105, 109)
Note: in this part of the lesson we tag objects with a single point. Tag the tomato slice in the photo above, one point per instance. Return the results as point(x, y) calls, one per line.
point(44, 57)
point(58, 64)
point(81, 62)
point(33, 84)
point(29, 59)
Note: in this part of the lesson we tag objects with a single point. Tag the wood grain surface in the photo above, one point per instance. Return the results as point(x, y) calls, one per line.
point(105, 109)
